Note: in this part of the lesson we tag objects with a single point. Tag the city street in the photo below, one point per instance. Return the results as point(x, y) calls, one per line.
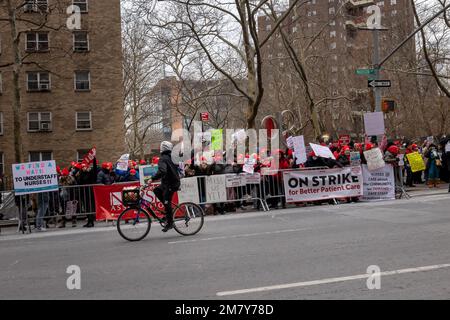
point(259, 255)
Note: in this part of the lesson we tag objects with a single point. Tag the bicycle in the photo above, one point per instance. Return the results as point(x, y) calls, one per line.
point(134, 223)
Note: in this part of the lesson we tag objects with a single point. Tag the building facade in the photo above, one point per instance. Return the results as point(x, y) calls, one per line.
point(70, 82)
point(331, 50)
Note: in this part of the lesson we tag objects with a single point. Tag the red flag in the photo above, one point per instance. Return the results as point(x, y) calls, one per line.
point(89, 157)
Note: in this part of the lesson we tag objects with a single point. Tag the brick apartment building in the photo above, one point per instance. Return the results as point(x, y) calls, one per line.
point(70, 82)
point(332, 50)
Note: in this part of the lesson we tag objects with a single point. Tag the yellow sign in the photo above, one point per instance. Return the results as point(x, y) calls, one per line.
point(416, 162)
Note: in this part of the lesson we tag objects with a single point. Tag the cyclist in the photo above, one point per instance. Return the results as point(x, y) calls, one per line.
point(170, 181)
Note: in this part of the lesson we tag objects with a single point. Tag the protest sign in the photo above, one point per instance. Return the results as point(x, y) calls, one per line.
point(216, 190)
point(378, 184)
point(249, 165)
point(374, 123)
point(217, 139)
point(254, 178)
point(355, 158)
point(35, 177)
point(122, 163)
point(313, 185)
point(90, 156)
point(322, 151)
point(401, 160)
point(374, 159)
point(416, 162)
point(146, 173)
point(233, 180)
point(189, 191)
point(299, 149)
point(290, 142)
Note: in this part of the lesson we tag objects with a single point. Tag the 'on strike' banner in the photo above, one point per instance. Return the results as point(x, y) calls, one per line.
point(311, 185)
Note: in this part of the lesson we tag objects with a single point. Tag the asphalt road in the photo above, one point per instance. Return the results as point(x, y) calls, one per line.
point(320, 252)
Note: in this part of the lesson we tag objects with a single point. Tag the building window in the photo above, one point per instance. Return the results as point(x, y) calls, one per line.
point(35, 156)
point(83, 4)
point(36, 5)
point(393, 2)
point(81, 153)
point(82, 81)
point(83, 121)
point(1, 123)
point(38, 81)
point(39, 121)
point(37, 41)
point(332, 34)
point(80, 41)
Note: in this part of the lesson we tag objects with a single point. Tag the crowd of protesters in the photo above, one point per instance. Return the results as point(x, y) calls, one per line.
point(436, 155)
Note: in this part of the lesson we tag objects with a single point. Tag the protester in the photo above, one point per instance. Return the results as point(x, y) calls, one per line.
point(433, 164)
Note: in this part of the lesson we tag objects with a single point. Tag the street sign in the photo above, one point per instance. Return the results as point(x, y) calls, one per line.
point(365, 72)
point(379, 83)
point(204, 116)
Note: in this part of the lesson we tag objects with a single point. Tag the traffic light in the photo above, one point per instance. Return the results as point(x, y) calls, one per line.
point(388, 105)
point(355, 15)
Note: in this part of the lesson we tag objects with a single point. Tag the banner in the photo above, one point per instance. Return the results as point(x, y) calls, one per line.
point(378, 184)
point(374, 159)
point(35, 177)
point(189, 190)
point(108, 200)
point(416, 162)
point(310, 185)
point(322, 151)
point(254, 178)
point(89, 157)
point(299, 149)
point(374, 123)
point(216, 190)
point(233, 180)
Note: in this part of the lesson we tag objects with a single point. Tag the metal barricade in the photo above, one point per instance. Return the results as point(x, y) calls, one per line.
point(238, 189)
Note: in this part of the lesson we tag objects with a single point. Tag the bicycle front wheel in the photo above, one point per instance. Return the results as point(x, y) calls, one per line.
point(134, 224)
point(188, 218)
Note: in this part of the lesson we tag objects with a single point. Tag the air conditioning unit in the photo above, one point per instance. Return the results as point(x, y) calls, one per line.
point(44, 86)
point(45, 126)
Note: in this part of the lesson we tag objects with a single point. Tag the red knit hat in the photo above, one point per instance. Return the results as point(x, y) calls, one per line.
point(394, 150)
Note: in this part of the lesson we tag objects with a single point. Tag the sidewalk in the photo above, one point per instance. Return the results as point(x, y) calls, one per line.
point(11, 232)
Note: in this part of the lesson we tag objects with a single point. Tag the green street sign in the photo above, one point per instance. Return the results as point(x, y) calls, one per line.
point(365, 72)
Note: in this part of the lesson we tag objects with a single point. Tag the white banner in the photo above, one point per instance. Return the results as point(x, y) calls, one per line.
point(310, 185)
point(35, 177)
point(233, 180)
point(378, 184)
point(216, 190)
point(254, 178)
point(189, 191)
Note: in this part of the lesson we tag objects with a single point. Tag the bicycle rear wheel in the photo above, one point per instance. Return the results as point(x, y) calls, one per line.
point(134, 224)
point(188, 218)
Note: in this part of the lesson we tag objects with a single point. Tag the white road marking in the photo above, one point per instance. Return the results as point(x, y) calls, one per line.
point(330, 280)
point(245, 235)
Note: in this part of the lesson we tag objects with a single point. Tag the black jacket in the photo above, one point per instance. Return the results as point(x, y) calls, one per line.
point(168, 172)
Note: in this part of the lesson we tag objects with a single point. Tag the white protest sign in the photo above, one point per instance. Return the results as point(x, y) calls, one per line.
point(188, 191)
point(401, 160)
point(322, 151)
point(374, 123)
point(122, 163)
point(233, 180)
point(374, 159)
point(216, 190)
point(299, 149)
point(35, 177)
point(313, 185)
point(249, 165)
point(378, 184)
point(290, 142)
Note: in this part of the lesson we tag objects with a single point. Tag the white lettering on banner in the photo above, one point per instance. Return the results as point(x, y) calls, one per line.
point(374, 159)
point(189, 191)
point(35, 177)
point(216, 190)
point(378, 184)
point(313, 185)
